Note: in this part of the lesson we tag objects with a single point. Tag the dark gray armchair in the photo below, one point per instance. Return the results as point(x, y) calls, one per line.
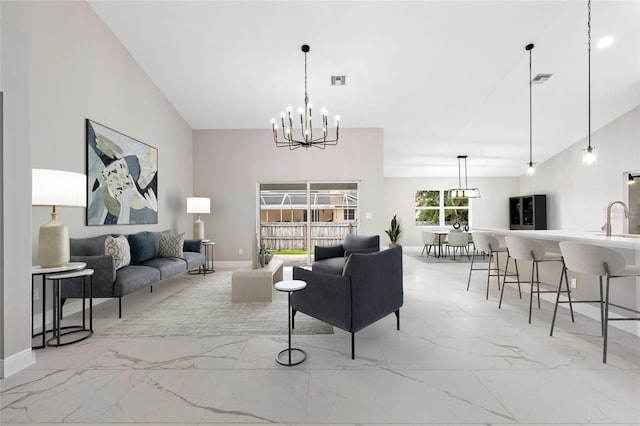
point(331, 259)
point(369, 288)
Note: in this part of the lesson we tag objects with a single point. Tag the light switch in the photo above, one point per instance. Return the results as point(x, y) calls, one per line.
point(368, 215)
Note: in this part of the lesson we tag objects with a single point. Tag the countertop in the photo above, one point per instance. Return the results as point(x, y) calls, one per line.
point(590, 237)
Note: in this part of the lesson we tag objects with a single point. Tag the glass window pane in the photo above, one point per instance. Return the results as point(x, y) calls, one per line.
point(427, 217)
point(428, 198)
point(456, 215)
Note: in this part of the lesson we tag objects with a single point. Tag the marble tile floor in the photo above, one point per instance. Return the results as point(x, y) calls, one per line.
point(457, 360)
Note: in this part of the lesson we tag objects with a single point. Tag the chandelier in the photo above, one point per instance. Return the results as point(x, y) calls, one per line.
point(589, 153)
point(465, 192)
point(306, 138)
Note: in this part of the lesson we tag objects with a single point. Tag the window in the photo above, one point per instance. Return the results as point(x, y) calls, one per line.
point(437, 208)
point(349, 214)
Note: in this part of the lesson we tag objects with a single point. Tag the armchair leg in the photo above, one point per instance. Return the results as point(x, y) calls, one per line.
point(151, 289)
point(119, 307)
point(398, 319)
point(353, 345)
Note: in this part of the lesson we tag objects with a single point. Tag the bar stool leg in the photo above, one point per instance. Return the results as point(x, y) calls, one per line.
point(489, 273)
point(606, 322)
point(555, 309)
point(537, 281)
point(601, 307)
point(566, 283)
point(473, 256)
point(533, 268)
point(515, 261)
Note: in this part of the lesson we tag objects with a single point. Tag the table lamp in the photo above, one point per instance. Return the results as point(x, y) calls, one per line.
point(56, 188)
point(198, 205)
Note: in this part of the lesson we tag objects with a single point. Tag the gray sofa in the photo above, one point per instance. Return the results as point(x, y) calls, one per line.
point(331, 259)
point(109, 282)
point(368, 289)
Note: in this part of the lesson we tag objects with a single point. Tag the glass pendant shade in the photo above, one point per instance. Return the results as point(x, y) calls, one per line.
point(531, 169)
point(589, 156)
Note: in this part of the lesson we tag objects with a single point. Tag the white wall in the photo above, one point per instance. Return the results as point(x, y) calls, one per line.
point(15, 330)
point(578, 195)
point(491, 210)
point(60, 65)
point(229, 163)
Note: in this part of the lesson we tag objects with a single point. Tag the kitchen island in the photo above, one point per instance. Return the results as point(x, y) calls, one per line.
point(625, 291)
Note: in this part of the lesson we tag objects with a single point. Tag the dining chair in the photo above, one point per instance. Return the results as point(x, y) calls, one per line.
point(429, 239)
point(604, 263)
point(458, 241)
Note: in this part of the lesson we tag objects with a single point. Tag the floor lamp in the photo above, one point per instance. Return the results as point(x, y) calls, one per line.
point(198, 205)
point(56, 188)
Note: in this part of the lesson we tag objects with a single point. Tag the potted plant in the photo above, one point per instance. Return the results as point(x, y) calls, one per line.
point(268, 255)
point(262, 254)
point(394, 231)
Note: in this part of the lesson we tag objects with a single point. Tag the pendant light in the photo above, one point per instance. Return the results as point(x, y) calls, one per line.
point(589, 153)
point(531, 166)
point(465, 192)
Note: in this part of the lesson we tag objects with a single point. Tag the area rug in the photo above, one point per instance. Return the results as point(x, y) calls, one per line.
point(204, 308)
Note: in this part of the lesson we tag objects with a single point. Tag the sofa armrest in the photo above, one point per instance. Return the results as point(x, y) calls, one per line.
point(326, 252)
point(327, 297)
point(193, 245)
point(376, 285)
point(104, 275)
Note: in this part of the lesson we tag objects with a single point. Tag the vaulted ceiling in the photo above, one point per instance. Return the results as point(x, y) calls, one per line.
point(441, 78)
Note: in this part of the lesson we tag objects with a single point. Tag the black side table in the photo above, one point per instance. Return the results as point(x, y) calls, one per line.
point(57, 307)
point(208, 256)
point(39, 270)
point(290, 286)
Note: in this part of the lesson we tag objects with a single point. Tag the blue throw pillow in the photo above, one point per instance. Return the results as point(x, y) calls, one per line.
point(143, 247)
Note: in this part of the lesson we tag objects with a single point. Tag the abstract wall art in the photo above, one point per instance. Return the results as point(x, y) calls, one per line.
point(122, 178)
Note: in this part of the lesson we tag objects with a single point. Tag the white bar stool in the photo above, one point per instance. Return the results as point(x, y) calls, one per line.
point(489, 244)
point(530, 250)
point(603, 262)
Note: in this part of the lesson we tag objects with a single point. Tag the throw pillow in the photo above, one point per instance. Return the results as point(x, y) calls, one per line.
point(118, 247)
point(171, 245)
point(143, 247)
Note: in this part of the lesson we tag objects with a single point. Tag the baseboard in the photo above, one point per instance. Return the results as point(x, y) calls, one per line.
point(232, 264)
point(17, 362)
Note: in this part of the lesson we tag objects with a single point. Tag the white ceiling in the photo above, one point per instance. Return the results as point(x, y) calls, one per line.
point(441, 78)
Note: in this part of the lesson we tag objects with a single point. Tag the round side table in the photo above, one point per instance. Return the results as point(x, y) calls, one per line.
point(57, 307)
point(43, 272)
point(290, 286)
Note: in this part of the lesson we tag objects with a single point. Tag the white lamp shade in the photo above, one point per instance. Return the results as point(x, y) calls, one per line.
point(198, 205)
point(58, 188)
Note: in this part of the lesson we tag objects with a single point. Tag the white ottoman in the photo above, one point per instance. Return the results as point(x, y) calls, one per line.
point(255, 285)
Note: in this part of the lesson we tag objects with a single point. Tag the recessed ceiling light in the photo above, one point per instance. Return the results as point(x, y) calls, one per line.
point(605, 41)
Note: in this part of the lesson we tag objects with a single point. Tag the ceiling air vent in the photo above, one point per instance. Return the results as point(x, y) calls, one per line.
point(540, 78)
point(338, 80)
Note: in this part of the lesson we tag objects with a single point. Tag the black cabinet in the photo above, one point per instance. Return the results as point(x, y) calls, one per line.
point(528, 212)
